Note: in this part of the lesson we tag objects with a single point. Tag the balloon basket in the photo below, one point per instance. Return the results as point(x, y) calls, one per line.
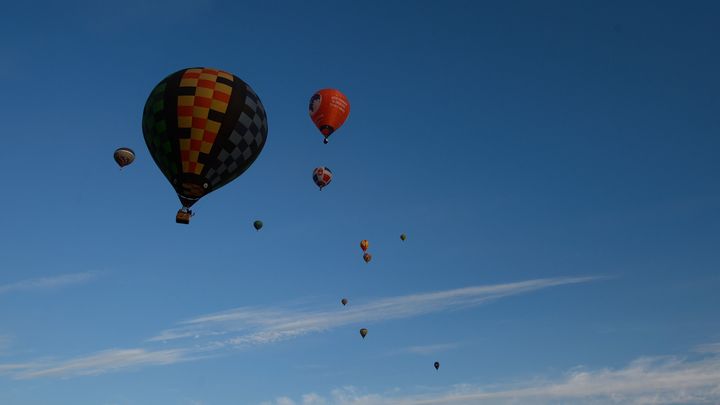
point(182, 217)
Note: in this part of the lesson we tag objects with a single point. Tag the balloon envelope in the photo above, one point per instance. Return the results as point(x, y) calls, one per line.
point(364, 244)
point(403, 237)
point(258, 224)
point(363, 332)
point(322, 176)
point(437, 365)
point(124, 156)
point(329, 109)
point(367, 257)
point(204, 127)
point(344, 301)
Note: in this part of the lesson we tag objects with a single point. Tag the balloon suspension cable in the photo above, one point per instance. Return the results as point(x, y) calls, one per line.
point(187, 210)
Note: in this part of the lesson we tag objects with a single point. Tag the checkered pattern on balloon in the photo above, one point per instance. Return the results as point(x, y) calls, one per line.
point(204, 127)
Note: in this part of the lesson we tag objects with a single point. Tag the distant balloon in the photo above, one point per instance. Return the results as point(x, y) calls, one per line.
point(364, 244)
point(329, 109)
point(367, 257)
point(344, 301)
point(403, 237)
point(363, 332)
point(124, 156)
point(437, 365)
point(322, 176)
point(258, 224)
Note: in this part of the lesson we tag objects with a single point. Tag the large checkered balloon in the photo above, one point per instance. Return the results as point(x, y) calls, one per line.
point(204, 127)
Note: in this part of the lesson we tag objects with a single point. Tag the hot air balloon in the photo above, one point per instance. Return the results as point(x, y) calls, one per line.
point(437, 365)
point(344, 301)
point(403, 237)
point(364, 244)
point(124, 156)
point(367, 257)
point(258, 224)
point(329, 109)
point(204, 127)
point(322, 176)
point(363, 332)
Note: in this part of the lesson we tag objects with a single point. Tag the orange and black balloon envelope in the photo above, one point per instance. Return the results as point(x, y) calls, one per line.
point(363, 332)
point(204, 127)
point(329, 109)
point(367, 257)
point(344, 301)
point(124, 156)
point(364, 244)
point(437, 365)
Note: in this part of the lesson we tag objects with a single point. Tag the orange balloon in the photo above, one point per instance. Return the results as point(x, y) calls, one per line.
point(364, 244)
point(329, 109)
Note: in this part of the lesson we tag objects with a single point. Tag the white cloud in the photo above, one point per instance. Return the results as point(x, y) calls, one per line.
point(284, 401)
point(429, 349)
point(45, 283)
point(709, 348)
point(645, 381)
point(267, 325)
point(12, 367)
point(253, 326)
point(313, 399)
point(99, 363)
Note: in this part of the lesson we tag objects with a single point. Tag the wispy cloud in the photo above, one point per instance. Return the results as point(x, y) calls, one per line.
point(708, 348)
point(47, 283)
point(12, 367)
point(97, 363)
point(208, 335)
point(645, 381)
point(266, 325)
point(429, 349)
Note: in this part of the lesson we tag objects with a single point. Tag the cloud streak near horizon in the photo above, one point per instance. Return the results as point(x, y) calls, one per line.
point(649, 380)
point(264, 325)
point(209, 334)
point(47, 283)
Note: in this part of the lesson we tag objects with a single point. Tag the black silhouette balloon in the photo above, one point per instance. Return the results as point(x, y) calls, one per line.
point(204, 127)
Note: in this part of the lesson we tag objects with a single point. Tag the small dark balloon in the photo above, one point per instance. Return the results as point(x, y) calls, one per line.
point(124, 156)
point(437, 365)
point(258, 224)
point(363, 332)
point(344, 301)
point(367, 257)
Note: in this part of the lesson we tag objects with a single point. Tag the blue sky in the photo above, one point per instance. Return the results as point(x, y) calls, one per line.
point(554, 166)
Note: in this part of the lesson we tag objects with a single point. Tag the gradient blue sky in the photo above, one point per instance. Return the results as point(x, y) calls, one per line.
point(554, 164)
